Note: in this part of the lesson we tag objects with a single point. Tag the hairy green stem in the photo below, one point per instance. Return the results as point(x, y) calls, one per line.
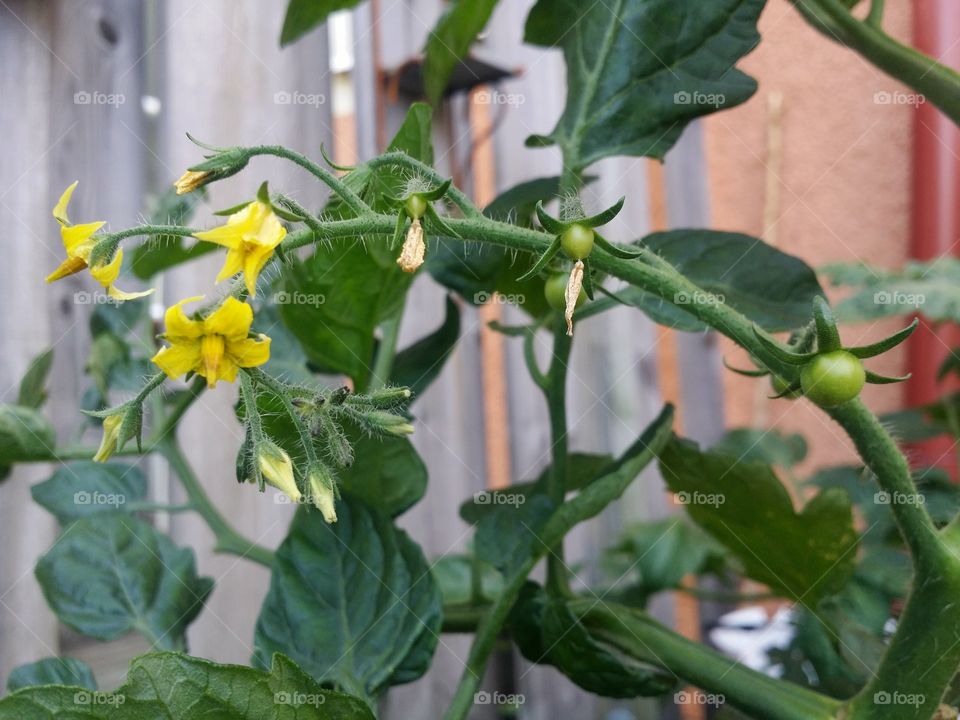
point(386, 350)
point(228, 540)
point(640, 636)
point(414, 166)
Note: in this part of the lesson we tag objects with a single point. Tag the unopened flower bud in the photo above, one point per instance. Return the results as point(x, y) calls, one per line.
point(322, 492)
point(389, 423)
point(277, 469)
point(389, 397)
point(414, 248)
point(572, 294)
point(191, 180)
point(109, 444)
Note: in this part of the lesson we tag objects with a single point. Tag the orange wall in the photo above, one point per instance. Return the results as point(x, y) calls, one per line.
point(844, 189)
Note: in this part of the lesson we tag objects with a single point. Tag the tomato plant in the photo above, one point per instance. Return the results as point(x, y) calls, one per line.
point(327, 400)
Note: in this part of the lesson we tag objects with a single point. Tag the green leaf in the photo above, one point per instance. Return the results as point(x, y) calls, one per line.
point(170, 685)
point(110, 574)
point(353, 603)
point(450, 41)
point(86, 488)
point(738, 503)
point(419, 364)
point(387, 472)
point(25, 435)
point(773, 289)
point(454, 576)
point(162, 252)
point(335, 299)
point(932, 288)
point(638, 72)
point(52, 671)
point(304, 15)
point(510, 534)
point(33, 392)
point(767, 446)
point(547, 632)
point(582, 469)
point(657, 555)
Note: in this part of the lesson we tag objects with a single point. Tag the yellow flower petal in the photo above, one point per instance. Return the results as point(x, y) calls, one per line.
point(180, 328)
point(232, 265)
point(178, 359)
point(271, 231)
point(106, 274)
point(111, 434)
point(232, 320)
point(75, 237)
point(252, 265)
point(249, 352)
point(244, 223)
point(60, 209)
point(118, 294)
point(70, 266)
point(212, 348)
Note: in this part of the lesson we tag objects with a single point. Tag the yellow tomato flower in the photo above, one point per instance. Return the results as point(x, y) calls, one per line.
point(213, 347)
point(79, 243)
point(250, 236)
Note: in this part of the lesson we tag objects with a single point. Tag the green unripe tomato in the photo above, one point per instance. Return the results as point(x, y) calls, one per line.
point(416, 206)
point(779, 385)
point(555, 290)
point(577, 241)
point(833, 378)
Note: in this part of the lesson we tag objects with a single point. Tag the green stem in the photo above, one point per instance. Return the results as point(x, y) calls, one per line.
point(875, 18)
point(938, 83)
point(643, 638)
point(386, 350)
point(228, 540)
point(556, 395)
point(400, 159)
point(349, 197)
point(589, 503)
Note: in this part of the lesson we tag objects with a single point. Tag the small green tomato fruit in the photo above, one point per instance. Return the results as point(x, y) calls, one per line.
point(577, 241)
point(833, 378)
point(555, 290)
point(416, 206)
point(779, 385)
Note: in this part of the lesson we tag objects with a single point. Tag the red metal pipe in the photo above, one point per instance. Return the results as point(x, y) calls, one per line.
point(935, 224)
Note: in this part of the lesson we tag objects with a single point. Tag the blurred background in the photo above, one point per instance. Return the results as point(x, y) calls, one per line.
point(830, 160)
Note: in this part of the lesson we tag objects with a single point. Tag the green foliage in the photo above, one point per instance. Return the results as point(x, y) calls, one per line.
point(52, 671)
point(638, 72)
point(304, 15)
point(170, 685)
point(25, 436)
point(738, 503)
point(450, 41)
point(547, 632)
point(85, 489)
point(767, 446)
point(455, 577)
point(110, 574)
point(510, 534)
point(163, 252)
point(928, 287)
point(33, 392)
point(353, 603)
point(419, 364)
point(387, 473)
